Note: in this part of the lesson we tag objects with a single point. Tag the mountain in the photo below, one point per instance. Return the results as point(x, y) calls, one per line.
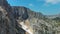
point(52, 16)
point(22, 20)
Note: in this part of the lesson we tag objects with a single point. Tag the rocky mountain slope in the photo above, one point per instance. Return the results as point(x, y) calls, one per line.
point(11, 16)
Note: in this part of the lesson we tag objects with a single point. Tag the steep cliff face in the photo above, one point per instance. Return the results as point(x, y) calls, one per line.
point(7, 23)
point(20, 12)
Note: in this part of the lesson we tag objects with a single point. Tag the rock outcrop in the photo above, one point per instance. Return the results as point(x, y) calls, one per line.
point(8, 24)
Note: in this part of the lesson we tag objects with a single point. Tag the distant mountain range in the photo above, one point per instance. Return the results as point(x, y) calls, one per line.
point(52, 16)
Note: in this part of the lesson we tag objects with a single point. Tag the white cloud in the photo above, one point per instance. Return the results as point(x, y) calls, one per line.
point(46, 5)
point(52, 1)
point(30, 4)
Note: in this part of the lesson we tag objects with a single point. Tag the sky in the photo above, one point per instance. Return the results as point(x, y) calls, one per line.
point(46, 7)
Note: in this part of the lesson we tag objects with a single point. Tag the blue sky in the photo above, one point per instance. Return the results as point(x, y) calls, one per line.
point(47, 7)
